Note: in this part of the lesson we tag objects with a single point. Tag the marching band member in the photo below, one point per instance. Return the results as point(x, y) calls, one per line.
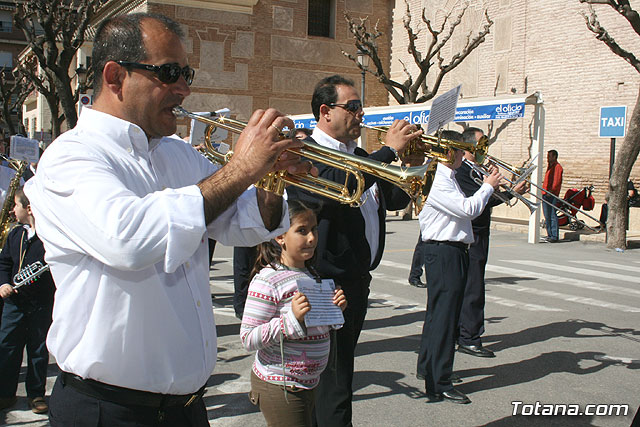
point(350, 240)
point(125, 213)
point(27, 312)
point(445, 225)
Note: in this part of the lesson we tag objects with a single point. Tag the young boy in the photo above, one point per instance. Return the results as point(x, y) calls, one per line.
point(27, 312)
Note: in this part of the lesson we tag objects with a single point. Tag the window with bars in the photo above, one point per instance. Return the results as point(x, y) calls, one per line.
point(321, 19)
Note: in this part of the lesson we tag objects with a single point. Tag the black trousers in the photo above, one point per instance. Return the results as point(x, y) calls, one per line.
point(334, 393)
point(472, 312)
point(70, 408)
point(446, 278)
point(243, 260)
point(24, 327)
point(417, 262)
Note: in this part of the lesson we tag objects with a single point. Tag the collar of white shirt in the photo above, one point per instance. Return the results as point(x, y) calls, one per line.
point(118, 131)
point(322, 138)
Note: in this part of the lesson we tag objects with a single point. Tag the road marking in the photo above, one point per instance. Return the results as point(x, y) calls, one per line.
point(518, 304)
point(624, 360)
point(565, 280)
point(603, 264)
point(570, 298)
point(567, 269)
point(395, 265)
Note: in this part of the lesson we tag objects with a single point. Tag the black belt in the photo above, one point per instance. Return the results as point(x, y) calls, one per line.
point(127, 396)
point(459, 245)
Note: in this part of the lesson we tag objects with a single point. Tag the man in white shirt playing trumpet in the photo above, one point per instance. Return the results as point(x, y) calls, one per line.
point(445, 227)
point(125, 213)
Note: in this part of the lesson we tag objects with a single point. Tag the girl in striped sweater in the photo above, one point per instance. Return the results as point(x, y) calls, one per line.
point(273, 324)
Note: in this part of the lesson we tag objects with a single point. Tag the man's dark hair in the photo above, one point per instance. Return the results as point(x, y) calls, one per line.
point(453, 135)
point(554, 153)
point(326, 93)
point(120, 39)
point(22, 198)
point(469, 135)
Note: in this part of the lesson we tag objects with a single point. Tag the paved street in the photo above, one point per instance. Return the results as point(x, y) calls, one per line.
point(562, 318)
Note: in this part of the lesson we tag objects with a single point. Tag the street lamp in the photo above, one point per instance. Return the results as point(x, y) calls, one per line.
point(363, 61)
point(81, 74)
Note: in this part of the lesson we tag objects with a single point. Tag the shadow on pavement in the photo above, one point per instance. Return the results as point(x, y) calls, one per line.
point(542, 421)
point(508, 280)
point(229, 405)
point(568, 329)
point(390, 380)
point(532, 369)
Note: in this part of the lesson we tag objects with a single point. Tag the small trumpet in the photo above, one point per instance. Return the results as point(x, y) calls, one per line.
point(415, 181)
point(439, 148)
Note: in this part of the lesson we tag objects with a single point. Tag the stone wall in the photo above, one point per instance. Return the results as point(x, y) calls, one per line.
point(245, 61)
point(544, 46)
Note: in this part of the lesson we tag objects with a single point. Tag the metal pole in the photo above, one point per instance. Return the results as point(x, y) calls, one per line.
point(363, 135)
point(362, 92)
point(612, 160)
point(612, 156)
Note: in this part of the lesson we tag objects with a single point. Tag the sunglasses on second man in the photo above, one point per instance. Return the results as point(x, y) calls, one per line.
point(166, 73)
point(352, 106)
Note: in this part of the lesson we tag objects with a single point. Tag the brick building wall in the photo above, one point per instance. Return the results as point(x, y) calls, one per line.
point(245, 61)
point(544, 46)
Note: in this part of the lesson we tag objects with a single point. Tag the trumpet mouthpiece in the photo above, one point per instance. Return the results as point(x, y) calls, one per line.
point(180, 112)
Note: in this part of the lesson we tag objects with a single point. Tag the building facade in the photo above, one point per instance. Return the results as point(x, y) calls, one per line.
point(545, 46)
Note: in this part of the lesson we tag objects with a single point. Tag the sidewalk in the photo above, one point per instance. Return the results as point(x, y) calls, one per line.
point(522, 226)
point(584, 235)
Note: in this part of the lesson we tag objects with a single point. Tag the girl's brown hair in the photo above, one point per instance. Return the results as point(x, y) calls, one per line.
point(269, 253)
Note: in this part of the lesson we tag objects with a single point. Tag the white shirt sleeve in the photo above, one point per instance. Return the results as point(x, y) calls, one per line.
point(453, 202)
point(95, 213)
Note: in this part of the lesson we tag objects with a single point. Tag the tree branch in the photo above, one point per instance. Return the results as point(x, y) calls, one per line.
point(603, 35)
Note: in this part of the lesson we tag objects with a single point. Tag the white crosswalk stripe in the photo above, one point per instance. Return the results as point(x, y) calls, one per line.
point(567, 297)
point(608, 265)
point(518, 304)
point(587, 272)
point(554, 278)
point(559, 274)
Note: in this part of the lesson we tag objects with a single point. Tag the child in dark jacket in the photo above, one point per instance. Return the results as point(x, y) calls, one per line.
point(27, 310)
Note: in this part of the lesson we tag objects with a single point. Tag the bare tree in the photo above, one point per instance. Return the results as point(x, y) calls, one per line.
point(14, 89)
point(416, 89)
point(630, 148)
point(55, 30)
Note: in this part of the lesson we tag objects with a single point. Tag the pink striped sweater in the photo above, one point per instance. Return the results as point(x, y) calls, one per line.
point(268, 317)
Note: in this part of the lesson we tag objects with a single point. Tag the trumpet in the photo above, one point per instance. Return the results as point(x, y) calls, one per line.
point(481, 170)
point(439, 148)
point(559, 205)
point(415, 181)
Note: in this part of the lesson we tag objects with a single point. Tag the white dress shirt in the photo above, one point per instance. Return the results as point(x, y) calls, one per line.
point(369, 199)
point(447, 213)
point(123, 227)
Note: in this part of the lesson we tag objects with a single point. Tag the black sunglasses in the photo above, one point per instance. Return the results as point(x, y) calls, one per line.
point(167, 73)
point(351, 106)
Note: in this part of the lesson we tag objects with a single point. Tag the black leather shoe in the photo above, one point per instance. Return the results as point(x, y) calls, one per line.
point(452, 395)
point(417, 283)
point(475, 350)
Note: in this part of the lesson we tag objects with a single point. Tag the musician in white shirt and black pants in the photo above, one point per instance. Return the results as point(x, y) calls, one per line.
point(27, 312)
point(125, 209)
point(445, 225)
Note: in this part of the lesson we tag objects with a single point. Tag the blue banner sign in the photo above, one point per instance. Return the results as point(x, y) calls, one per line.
point(468, 113)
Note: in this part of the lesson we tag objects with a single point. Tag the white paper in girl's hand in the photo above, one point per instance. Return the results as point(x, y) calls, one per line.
point(320, 295)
